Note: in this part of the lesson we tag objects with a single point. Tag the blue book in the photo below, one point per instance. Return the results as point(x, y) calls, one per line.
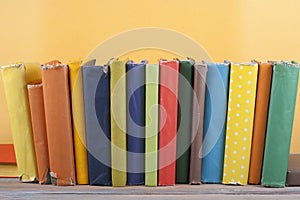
point(135, 103)
point(96, 95)
point(217, 79)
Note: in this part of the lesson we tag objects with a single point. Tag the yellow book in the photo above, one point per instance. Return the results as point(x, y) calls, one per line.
point(14, 79)
point(118, 122)
point(78, 123)
point(240, 115)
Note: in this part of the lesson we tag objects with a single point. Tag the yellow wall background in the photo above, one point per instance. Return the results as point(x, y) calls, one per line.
point(239, 30)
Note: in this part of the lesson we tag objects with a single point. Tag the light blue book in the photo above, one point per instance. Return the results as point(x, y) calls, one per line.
point(216, 97)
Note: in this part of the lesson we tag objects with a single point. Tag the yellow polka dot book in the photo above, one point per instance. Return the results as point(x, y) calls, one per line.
point(240, 115)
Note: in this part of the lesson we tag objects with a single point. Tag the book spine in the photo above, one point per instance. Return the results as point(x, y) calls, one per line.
point(260, 121)
point(151, 132)
point(118, 122)
point(200, 71)
point(280, 123)
point(168, 121)
point(78, 123)
point(58, 122)
point(96, 93)
point(184, 122)
point(242, 95)
point(216, 97)
point(135, 101)
point(14, 82)
point(36, 103)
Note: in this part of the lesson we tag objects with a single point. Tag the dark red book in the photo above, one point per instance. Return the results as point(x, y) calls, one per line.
point(168, 121)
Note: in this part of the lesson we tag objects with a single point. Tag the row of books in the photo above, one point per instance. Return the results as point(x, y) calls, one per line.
point(177, 121)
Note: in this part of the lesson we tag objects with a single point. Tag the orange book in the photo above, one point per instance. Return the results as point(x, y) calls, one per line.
point(36, 104)
point(264, 80)
point(58, 122)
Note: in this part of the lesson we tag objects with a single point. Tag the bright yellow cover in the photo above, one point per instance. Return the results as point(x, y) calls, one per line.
point(78, 122)
point(14, 82)
point(242, 94)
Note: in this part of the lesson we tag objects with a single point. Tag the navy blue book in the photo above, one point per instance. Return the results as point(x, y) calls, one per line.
point(135, 103)
point(96, 95)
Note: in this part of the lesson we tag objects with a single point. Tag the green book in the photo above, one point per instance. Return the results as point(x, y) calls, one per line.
point(118, 122)
point(151, 106)
point(280, 123)
point(184, 122)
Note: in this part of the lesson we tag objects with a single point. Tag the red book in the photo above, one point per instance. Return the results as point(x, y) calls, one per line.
point(168, 121)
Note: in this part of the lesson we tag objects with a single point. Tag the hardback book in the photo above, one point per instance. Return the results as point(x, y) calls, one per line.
point(240, 116)
point(200, 71)
point(38, 123)
point(168, 100)
point(216, 99)
point(79, 134)
point(96, 95)
point(14, 79)
point(56, 95)
point(135, 122)
point(280, 123)
point(264, 80)
point(118, 122)
point(151, 127)
point(184, 121)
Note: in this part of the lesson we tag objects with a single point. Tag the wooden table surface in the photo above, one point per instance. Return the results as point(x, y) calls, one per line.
point(12, 189)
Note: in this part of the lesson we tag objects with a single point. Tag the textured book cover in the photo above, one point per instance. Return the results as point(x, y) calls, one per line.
point(200, 71)
point(151, 132)
point(280, 123)
point(184, 121)
point(169, 71)
point(118, 122)
point(242, 95)
point(216, 97)
point(59, 124)
point(96, 93)
point(135, 119)
point(264, 80)
point(14, 81)
point(38, 123)
point(81, 162)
